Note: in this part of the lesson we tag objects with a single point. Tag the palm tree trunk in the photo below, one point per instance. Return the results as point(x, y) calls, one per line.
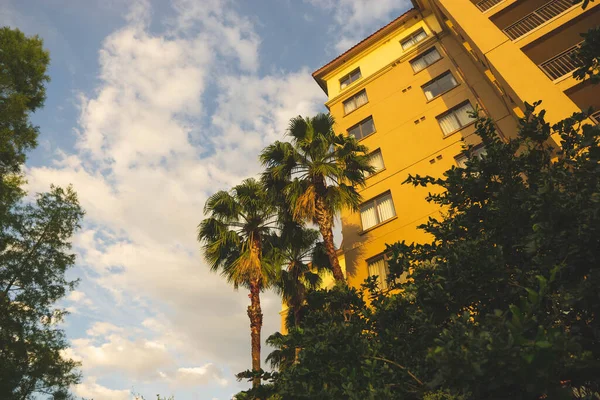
point(325, 222)
point(256, 319)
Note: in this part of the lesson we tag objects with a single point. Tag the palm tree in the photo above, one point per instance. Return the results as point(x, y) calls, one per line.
point(319, 172)
point(303, 259)
point(237, 242)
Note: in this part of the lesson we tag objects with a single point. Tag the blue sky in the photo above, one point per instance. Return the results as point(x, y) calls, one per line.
point(153, 106)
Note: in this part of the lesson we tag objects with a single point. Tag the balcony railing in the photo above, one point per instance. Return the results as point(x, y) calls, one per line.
point(562, 64)
point(485, 5)
point(536, 18)
point(596, 117)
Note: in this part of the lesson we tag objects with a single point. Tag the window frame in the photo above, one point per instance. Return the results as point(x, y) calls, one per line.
point(411, 36)
point(452, 111)
point(437, 78)
point(360, 124)
point(353, 98)
point(429, 50)
point(381, 170)
point(379, 223)
point(349, 76)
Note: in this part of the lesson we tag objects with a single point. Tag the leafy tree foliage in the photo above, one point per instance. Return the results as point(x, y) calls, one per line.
point(34, 238)
point(319, 173)
point(588, 56)
point(502, 303)
point(23, 65)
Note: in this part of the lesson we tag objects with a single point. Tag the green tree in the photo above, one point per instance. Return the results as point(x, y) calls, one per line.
point(23, 63)
point(319, 173)
point(303, 259)
point(237, 242)
point(502, 303)
point(34, 238)
point(589, 56)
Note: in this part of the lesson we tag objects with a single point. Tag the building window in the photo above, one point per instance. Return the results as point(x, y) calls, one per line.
point(377, 211)
point(439, 85)
point(379, 266)
point(363, 129)
point(456, 118)
point(376, 161)
point(350, 78)
point(425, 59)
point(413, 39)
point(359, 99)
point(477, 152)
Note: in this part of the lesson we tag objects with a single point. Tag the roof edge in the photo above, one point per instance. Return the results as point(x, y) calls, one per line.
point(359, 47)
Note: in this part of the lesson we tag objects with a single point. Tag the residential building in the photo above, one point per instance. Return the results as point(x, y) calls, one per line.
point(406, 92)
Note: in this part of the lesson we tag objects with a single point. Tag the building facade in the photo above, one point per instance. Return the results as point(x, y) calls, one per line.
point(406, 90)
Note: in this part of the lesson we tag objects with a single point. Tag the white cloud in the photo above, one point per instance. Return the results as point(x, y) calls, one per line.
point(79, 298)
point(200, 375)
point(102, 329)
point(358, 18)
point(148, 153)
point(139, 358)
point(90, 389)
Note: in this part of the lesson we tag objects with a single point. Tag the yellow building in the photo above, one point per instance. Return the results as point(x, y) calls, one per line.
point(405, 92)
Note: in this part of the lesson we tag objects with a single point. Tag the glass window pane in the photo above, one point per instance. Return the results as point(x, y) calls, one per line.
point(418, 64)
point(379, 267)
point(413, 39)
point(376, 160)
point(355, 131)
point(368, 215)
point(462, 114)
point(431, 56)
point(385, 208)
point(421, 35)
point(349, 105)
point(448, 123)
point(446, 82)
point(368, 126)
point(479, 152)
point(361, 98)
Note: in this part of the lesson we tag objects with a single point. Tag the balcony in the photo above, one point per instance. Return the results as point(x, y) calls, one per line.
point(596, 117)
point(562, 64)
point(537, 18)
point(485, 5)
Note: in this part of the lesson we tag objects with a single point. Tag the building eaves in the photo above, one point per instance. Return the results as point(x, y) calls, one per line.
point(372, 38)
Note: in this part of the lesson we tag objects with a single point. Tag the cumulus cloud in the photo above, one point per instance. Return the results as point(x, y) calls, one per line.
point(200, 375)
point(159, 134)
point(79, 299)
point(137, 357)
point(359, 18)
point(90, 389)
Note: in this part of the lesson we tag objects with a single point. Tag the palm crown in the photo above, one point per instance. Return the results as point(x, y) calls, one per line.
point(235, 234)
point(319, 173)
